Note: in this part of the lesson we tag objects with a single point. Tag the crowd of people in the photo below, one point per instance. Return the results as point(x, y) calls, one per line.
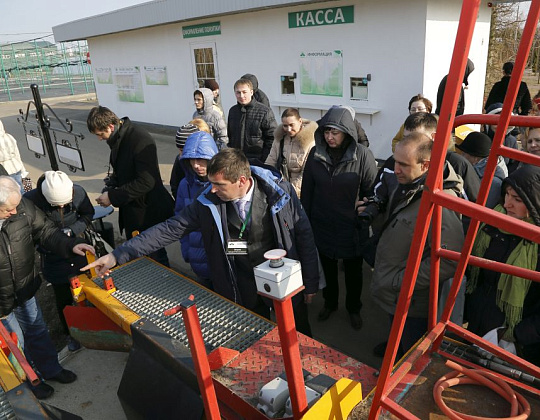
point(241, 185)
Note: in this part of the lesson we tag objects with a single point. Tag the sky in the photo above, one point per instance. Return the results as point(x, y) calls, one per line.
point(30, 19)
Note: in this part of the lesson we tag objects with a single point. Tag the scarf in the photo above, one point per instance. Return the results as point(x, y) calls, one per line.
point(511, 290)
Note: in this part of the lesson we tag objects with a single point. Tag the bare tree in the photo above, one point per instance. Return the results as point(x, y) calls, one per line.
point(506, 29)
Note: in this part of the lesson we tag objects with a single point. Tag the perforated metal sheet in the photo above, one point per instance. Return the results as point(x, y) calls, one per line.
point(148, 289)
point(6, 411)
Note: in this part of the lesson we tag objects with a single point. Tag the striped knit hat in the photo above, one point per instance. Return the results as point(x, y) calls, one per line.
point(183, 133)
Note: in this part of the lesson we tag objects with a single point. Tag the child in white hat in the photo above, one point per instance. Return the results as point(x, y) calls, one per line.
point(68, 206)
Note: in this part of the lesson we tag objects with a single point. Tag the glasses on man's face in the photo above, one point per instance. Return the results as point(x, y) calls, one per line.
point(420, 109)
point(198, 100)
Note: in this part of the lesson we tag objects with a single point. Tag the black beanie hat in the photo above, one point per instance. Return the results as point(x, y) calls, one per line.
point(183, 133)
point(476, 144)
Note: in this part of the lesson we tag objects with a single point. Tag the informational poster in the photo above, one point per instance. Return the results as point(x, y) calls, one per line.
point(104, 75)
point(129, 84)
point(321, 73)
point(156, 75)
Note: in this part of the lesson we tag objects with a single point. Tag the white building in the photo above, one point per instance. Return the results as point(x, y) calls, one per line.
point(371, 55)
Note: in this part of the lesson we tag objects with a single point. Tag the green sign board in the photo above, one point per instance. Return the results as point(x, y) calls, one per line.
point(320, 17)
point(204, 29)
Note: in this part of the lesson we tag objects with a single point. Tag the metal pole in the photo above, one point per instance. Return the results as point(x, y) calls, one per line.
point(29, 372)
point(39, 64)
point(198, 353)
point(83, 66)
point(291, 355)
point(68, 72)
point(44, 126)
point(4, 74)
point(21, 85)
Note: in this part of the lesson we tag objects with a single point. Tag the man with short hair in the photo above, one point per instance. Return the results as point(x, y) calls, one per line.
point(426, 123)
point(246, 211)
point(135, 185)
point(251, 124)
point(412, 158)
point(523, 104)
point(22, 227)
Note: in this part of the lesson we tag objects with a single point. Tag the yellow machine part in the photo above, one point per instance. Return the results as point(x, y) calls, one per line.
point(9, 377)
point(338, 402)
point(108, 305)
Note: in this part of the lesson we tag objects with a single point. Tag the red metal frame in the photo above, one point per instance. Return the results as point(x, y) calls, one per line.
point(200, 359)
point(291, 353)
point(433, 199)
point(29, 372)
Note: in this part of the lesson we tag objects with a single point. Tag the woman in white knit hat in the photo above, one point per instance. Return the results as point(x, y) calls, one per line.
point(68, 206)
point(10, 157)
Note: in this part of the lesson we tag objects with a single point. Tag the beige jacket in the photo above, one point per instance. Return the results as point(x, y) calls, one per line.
point(9, 153)
point(295, 150)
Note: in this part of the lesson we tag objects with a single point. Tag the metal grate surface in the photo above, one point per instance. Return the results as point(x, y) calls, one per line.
point(6, 411)
point(148, 289)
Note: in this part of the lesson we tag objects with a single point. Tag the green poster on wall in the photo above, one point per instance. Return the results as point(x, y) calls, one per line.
point(129, 84)
point(321, 73)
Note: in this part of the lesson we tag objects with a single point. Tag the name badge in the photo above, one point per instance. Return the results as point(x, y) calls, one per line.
point(237, 247)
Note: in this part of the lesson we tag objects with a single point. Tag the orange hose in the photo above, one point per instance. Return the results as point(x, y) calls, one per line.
point(519, 406)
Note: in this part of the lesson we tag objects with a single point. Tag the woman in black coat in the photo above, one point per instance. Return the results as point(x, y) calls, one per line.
point(496, 300)
point(338, 171)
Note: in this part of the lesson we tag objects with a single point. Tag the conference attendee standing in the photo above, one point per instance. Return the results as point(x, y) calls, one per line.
point(135, 184)
point(251, 124)
point(338, 171)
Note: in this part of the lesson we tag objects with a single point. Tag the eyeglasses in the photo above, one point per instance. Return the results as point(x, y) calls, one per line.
point(413, 110)
point(198, 100)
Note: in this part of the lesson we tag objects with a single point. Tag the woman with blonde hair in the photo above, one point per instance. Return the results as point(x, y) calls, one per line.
point(293, 139)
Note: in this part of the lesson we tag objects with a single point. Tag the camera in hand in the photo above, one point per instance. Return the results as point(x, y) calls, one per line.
point(374, 205)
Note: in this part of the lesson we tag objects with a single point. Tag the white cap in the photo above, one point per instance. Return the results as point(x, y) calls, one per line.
point(57, 188)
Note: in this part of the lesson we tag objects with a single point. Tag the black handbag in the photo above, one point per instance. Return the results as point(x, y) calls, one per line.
point(93, 238)
point(281, 164)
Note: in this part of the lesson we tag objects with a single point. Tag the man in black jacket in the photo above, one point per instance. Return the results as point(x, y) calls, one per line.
point(442, 87)
point(251, 124)
point(246, 211)
point(22, 226)
point(135, 185)
point(523, 104)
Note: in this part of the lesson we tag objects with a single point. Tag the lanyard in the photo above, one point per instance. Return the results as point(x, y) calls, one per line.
point(248, 216)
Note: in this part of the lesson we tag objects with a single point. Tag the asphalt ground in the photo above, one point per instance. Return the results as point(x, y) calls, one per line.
point(336, 332)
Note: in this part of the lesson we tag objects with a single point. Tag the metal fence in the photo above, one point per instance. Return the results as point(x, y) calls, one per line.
point(58, 69)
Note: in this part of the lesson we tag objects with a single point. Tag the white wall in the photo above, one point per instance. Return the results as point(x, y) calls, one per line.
point(386, 40)
point(442, 25)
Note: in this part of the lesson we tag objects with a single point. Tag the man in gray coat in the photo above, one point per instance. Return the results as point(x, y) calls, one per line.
point(412, 158)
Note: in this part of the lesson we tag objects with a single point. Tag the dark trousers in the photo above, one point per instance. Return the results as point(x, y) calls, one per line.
point(413, 331)
point(64, 298)
point(160, 256)
point(300, 313)
point(353, 283)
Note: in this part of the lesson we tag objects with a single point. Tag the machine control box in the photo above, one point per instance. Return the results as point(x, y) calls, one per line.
point(278, 276)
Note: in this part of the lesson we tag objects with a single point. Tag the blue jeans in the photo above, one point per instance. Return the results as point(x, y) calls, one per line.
point(26, 320)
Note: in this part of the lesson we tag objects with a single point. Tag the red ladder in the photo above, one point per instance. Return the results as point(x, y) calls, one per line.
point(433, 199)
